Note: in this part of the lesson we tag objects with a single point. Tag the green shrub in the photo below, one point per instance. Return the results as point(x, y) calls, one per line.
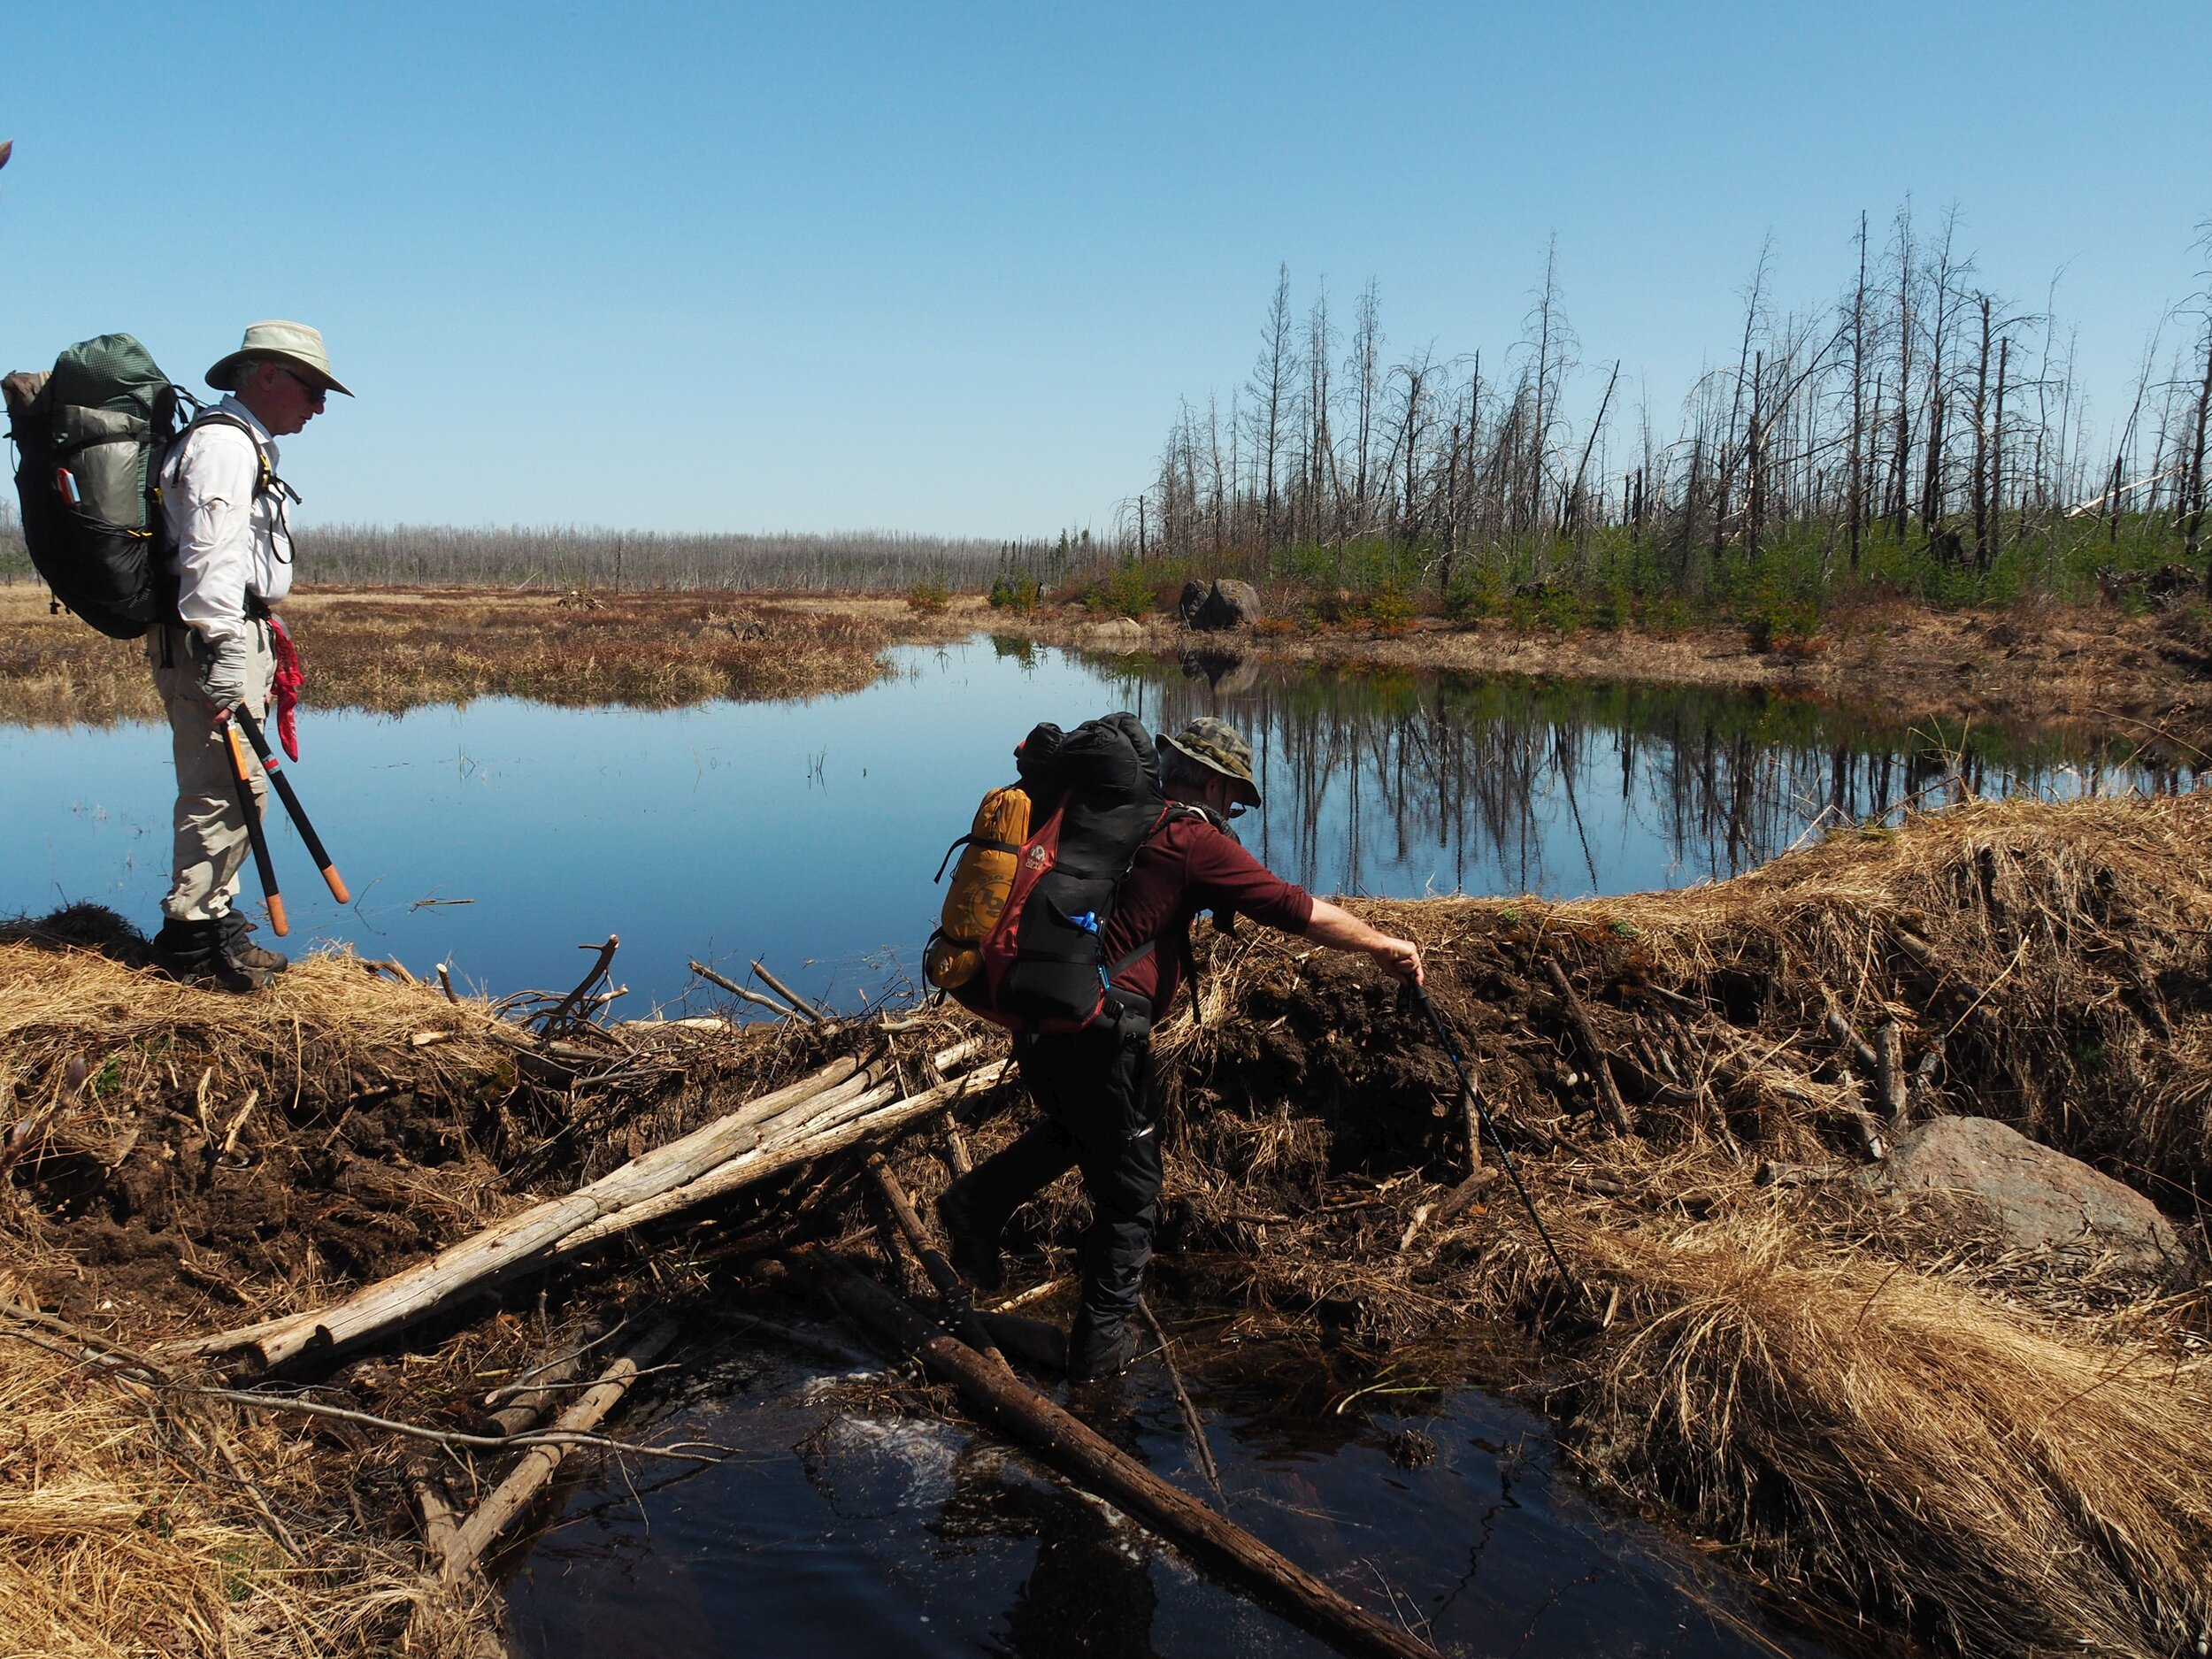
point(1128, 591)
point(927, 598)
point(1391, 608)
point(1787, 625)
point(1018, 592)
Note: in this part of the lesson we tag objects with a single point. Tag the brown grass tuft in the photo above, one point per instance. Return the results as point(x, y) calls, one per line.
point(122, 1529)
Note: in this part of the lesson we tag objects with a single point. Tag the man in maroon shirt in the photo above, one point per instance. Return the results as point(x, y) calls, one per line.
point(1096, 1088)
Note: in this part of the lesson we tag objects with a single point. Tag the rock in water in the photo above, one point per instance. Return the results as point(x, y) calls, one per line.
point(2036, 1198)
point(1231, 604)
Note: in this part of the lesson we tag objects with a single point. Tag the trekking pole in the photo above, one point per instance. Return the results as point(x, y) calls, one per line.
point(1482, 1113)
point(260, 742)
point(243, 779)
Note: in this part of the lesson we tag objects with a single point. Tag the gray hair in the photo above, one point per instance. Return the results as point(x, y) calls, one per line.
point(249, 369)
point(1179, 771)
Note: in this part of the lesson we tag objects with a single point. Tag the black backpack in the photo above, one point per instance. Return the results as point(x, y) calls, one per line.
point(91, 440)
point(1098, 800)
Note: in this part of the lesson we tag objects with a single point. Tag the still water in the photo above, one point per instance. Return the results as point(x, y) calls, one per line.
point(834, 1532)
point(499, 835)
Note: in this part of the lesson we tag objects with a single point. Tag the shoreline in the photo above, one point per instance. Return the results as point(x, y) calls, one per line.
point(2143, 677)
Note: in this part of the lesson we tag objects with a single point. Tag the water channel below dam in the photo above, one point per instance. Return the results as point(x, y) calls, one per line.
point(499, 835)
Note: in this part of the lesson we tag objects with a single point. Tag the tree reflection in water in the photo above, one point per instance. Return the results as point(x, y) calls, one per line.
point(1400, 784)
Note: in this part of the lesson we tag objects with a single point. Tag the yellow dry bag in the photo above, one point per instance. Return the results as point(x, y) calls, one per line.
point(981, 882)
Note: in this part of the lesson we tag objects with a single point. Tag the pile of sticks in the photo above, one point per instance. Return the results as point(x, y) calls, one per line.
point(828, 1110)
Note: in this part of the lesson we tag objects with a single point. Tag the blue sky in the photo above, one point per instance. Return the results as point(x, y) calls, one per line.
point(949, 268)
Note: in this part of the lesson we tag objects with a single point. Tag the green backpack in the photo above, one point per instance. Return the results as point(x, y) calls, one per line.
point(91, 439)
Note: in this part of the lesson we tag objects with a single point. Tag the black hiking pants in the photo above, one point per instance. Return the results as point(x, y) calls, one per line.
point(1101, 1102)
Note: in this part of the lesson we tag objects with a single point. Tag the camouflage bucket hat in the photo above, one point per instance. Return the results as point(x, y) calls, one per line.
point(1216, 744)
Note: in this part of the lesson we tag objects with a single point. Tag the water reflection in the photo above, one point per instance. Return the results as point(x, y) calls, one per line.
point(807, 831)
point(1397, 784)
point(838, 1529)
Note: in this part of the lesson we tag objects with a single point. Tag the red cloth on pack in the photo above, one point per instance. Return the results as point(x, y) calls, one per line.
point(289, 681)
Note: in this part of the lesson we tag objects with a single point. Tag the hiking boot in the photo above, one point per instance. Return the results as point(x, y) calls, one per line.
point(195, 953)
point(234, 929)
point(1096, 1352)
point(972, 1246)
point(180, 950)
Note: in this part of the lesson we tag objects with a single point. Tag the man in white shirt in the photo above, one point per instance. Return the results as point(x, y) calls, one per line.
point(225, 510)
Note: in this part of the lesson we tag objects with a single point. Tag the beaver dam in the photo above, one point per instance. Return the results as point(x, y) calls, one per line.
point(295, 1286)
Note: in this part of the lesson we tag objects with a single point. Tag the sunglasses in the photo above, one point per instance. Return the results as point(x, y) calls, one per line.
point(315, 394)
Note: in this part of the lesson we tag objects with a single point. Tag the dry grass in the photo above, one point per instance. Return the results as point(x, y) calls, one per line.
point(387, 1122)
point(2009, 1483)
point(123, 1531)
point(1889, 1415)
point(392, 651)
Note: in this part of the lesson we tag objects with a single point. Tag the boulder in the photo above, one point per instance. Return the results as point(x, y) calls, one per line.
point(1120, 635)
point(2036, 1199)
point(1230, 603)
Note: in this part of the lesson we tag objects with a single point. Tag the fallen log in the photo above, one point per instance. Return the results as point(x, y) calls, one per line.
point(465, 1546)
point(951, 1290)
point(406, 1296)
point(856, 1121)
point(1075, 1451)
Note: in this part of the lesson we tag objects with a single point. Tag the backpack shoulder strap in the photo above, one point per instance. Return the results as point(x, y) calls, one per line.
point(266, 480)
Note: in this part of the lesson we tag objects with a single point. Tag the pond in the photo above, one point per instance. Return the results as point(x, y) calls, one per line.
point(500, 835)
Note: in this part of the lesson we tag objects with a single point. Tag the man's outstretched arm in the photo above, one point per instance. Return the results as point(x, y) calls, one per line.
point(1338, 929)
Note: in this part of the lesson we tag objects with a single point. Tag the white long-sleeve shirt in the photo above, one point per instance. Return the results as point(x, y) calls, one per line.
point(229, 540)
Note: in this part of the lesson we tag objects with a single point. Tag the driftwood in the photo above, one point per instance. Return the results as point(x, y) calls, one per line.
point(1889, 1074)
point(468, 1265)
point(824, 1112)
point(951, 1290)
point(1096, 1465)
point(798, 1004)
point(872, 1113)
point(600, 964)
point(1601, 1068)
point(464, 1549)
point(1193, 1425)
point(739, 991)
point(438, 1518)
point(1840, 1030)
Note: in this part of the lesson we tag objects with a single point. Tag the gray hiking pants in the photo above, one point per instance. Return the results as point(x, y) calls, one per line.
point(210, 844)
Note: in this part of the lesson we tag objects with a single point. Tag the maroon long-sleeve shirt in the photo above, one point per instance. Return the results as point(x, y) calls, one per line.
point(1187, 867)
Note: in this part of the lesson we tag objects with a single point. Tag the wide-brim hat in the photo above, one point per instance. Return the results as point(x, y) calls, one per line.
point(295, 345)
point(1218, 746)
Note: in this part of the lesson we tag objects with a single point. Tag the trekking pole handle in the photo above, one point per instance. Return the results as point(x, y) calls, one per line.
point(242, 776)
